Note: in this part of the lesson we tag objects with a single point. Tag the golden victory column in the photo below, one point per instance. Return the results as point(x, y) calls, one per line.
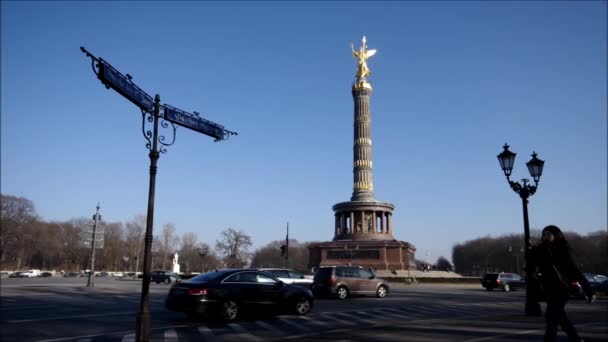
point(363, 232)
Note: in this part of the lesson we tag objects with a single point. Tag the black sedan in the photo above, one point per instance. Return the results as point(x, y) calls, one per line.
point(228, 293)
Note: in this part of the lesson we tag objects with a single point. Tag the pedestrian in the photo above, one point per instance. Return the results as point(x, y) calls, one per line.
point(551, 259)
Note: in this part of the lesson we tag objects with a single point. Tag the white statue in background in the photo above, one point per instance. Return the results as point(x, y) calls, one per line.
point(175, 263)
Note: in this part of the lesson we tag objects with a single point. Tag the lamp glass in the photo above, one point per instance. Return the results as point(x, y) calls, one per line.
point(506, 159)
point(535, 166)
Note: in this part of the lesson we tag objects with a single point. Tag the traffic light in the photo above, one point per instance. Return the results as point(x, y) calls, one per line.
point(283, 250)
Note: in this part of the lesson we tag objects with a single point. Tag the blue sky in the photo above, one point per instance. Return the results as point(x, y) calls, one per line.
point(453, 81)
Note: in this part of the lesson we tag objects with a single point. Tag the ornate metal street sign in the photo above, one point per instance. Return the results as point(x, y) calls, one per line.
point(196, 123)
point(112, 78)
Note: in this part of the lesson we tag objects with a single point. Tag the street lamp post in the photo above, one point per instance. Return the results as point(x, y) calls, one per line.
point(525, 190)
point(202, 252)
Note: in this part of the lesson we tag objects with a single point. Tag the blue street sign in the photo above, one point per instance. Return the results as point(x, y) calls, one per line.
point(194, 122)
point(114, 79)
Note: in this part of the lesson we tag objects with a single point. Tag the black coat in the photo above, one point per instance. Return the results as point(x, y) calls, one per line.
point(555, 269)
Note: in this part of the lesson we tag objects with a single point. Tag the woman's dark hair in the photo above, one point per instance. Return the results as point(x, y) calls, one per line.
point(560, 240)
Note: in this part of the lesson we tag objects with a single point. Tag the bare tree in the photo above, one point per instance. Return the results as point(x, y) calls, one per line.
point(442, 264)
point(208, 258)
point(188, 252)
point(169, 243)
point(269, 255)
point(134, 239)
point(234, 246)
point(17, 216)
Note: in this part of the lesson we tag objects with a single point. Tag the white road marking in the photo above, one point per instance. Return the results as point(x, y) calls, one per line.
point(523, 332)
point(341, 321)
point(293, 324)
point(76, 316)
point(207, 334)
point(356, 316)
point(171, 335)
point(314, 321)
point(243, 333)
point(269, 327)
point(128, 338)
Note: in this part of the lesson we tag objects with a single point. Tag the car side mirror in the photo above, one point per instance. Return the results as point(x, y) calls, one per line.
point(372, 276)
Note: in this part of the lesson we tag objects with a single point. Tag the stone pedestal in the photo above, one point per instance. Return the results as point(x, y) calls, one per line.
point(379, 255)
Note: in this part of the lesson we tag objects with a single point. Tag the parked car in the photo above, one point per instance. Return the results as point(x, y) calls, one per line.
point(164, 277)
point(504, 281)
point(289, 276)
point(102, 274)
point(16, 275)
point(71, 274)
point(46, 274)
point(345, 281)
point(118, 275)
point(228, 293)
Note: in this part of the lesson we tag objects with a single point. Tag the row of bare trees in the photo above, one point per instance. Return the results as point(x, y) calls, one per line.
point(506, 253)
point(27, 241)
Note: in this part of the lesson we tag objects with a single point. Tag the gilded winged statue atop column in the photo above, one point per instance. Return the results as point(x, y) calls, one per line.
point(362, 55)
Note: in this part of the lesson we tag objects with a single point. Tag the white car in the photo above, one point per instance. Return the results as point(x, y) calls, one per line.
point(289, 276)
point(30, 274)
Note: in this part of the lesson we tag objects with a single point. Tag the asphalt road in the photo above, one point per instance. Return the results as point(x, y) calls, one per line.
point(63, 309)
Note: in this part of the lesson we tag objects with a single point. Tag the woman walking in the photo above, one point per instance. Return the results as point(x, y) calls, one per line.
point(553, 261)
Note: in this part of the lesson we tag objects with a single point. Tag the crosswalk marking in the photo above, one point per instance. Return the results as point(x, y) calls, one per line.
point(269, 327)
point(331, 316)
point(356, 316)
point(128, 338)
point(315, 321)
point(311, 325)
point(207, 334)
point(293, 324)
point(171, 335)
point(243, 333)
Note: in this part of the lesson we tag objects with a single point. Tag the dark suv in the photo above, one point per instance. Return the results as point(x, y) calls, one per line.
point(344, 281)
point(504, 281)
point(164, 277)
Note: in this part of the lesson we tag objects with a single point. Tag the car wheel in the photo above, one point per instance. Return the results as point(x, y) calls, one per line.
point(381, 292)
point(506, 287)
point(342, 292)
point(302, 306)
point(167, 281)
point(229, 311)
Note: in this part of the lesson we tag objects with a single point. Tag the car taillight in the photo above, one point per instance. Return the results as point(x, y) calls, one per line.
point(197, 292)
point(574, 283)
point(330, 281)
point(497, 281)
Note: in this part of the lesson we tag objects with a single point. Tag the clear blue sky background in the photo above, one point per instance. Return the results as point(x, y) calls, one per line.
point(453, 81)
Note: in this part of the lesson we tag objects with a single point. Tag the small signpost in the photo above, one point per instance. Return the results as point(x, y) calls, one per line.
point(150, 109)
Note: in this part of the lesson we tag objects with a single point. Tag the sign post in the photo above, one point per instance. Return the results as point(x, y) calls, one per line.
point(150, 109)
